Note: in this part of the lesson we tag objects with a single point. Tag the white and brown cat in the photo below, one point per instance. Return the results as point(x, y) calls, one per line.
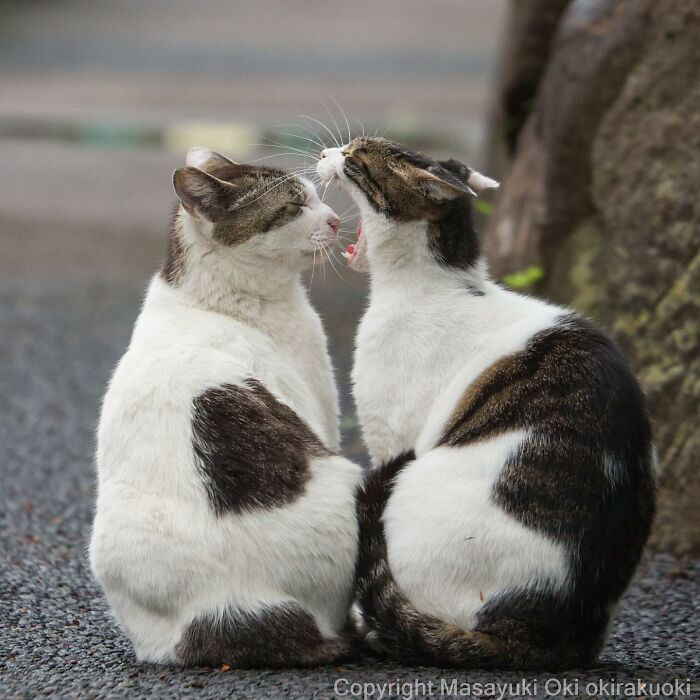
point(225, 529)
point(512, 490)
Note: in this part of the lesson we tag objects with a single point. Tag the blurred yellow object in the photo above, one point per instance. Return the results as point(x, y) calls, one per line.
point(234, 139)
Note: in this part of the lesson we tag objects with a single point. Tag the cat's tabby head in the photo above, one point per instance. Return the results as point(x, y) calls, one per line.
point(401, 185)
point(251, 210)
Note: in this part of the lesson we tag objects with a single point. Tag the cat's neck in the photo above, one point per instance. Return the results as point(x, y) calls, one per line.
point(401, 261)
point(229, 281)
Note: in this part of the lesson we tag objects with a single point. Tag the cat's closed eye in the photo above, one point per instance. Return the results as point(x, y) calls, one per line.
point(294, 208)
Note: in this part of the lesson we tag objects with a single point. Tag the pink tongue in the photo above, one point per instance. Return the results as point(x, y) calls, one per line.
point(352, 247)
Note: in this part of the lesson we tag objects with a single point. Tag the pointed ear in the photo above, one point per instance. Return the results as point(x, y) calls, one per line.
point(430, 185)
point(205, 159)
point(473, 179)
point(201, 193)
point(480, 182)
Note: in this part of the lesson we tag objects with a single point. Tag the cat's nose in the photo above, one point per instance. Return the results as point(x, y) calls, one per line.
point(324, 153)
point(334, 223)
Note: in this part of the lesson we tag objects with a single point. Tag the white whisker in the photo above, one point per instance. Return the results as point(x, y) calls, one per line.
point(299, 136)
point(325, 189)
point(335, 123)
point(330, 260)
point(313, 269)
point(291, 149)
point(315, 133)
point(305, 116)
point(274, 155)
point(318, 143)
point(342, 111)
point(362, 126)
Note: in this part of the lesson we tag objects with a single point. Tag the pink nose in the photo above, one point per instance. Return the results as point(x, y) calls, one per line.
point(334, 223)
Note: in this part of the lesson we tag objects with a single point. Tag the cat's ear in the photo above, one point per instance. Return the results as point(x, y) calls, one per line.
point(429, 184)
point(201, 193)
point(480, 182)
point(473, 179)
point(206, 159)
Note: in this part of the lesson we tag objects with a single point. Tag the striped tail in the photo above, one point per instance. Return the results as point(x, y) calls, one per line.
point(400, 629)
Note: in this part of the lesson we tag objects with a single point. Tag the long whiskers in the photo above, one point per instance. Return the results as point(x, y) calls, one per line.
point(317, 141)
point(303, 138)
point(335, 140)
point(326, 251)
point(335, 123)
point(345, 116)
point(290, 149)
point(313, 269)
point(273, 155)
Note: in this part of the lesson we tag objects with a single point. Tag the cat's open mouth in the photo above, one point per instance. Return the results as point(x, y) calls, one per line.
point(353, 250)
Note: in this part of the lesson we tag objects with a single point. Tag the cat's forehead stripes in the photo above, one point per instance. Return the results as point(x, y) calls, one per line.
point(261, 181)
point(258, 200)
point(374, 166)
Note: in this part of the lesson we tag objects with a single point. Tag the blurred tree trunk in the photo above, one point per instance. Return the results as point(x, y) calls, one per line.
point(602, 193)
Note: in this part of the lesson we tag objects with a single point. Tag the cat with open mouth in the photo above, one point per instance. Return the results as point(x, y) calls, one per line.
point(512, 488)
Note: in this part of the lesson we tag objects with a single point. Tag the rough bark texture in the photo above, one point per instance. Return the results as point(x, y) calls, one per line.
point(602, 194)
point(528, 38)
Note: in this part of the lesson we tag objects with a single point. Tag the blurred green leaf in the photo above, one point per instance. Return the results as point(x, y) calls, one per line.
point(524, 278)
point(483, 207)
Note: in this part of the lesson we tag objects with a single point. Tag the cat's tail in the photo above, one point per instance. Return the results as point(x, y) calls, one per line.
point(394, 624)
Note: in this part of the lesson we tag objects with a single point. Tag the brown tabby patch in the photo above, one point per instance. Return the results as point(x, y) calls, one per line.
point(253, 450)
point(262, 199)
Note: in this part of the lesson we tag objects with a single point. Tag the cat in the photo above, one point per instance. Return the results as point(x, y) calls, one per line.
point(225, 527)
point(512, 488)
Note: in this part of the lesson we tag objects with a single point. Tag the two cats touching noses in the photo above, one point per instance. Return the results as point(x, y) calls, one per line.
point(512, 483)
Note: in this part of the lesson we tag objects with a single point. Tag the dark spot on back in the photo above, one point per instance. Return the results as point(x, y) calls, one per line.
point(574, 393)
point(252, 450)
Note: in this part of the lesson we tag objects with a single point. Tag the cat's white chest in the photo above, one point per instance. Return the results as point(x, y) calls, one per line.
point(400, 368)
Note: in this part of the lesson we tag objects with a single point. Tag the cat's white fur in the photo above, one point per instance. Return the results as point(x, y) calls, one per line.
point(160, 553)
point(422, 341)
